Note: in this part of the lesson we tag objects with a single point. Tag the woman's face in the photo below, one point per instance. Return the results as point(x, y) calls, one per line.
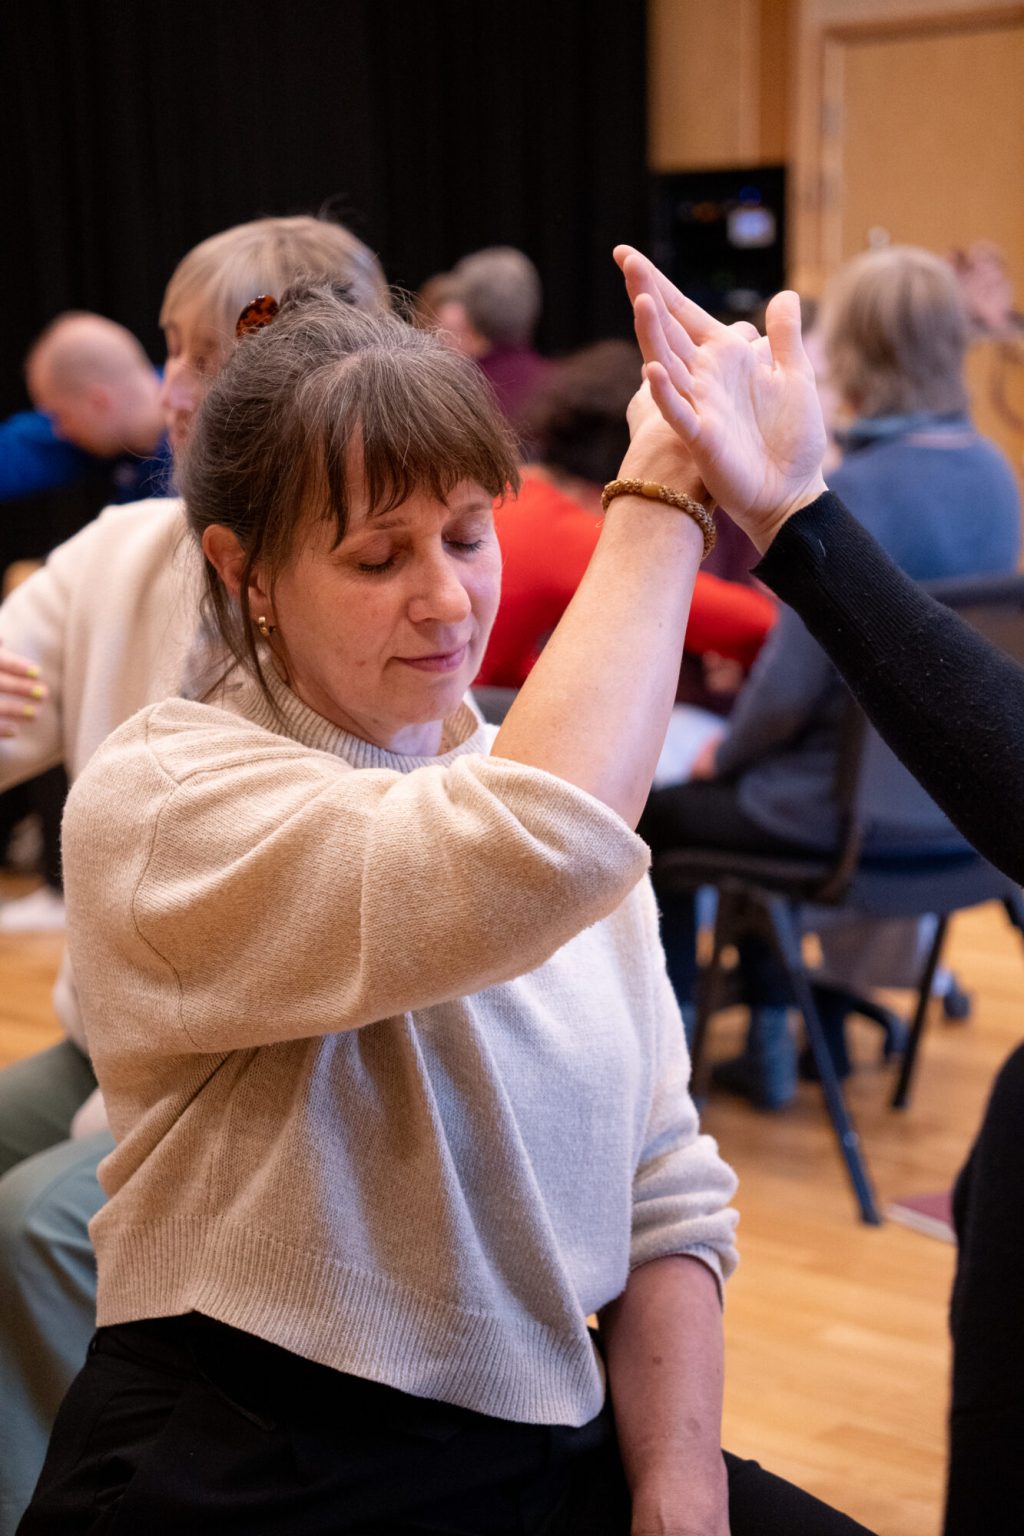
point(195, 355)
point(384, 634)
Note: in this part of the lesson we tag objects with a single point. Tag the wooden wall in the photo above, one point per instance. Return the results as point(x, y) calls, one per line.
point(899, 120)
point(719, 80)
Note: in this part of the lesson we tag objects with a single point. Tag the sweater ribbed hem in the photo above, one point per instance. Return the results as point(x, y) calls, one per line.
point(365, 1324)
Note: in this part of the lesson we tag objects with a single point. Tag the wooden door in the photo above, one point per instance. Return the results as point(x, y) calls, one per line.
point(923, 143)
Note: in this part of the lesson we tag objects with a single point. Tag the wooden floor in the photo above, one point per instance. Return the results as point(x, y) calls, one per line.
point(836, 1332)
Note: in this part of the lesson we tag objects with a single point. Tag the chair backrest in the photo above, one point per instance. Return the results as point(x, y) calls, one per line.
point(993, 605)
point(886, 810)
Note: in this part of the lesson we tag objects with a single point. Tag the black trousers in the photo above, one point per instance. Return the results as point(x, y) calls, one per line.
point(44, 795)
point(986, 1441)
point(184, 1427)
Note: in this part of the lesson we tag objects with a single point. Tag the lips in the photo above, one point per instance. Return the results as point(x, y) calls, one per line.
point(440, 661)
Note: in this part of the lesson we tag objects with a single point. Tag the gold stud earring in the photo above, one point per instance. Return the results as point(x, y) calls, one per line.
point(265, 629)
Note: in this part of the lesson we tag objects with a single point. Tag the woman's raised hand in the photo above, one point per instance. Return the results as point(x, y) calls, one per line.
point(746, 406)
point(20, 691)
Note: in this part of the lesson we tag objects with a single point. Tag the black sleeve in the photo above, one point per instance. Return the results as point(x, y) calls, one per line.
point(948, 703)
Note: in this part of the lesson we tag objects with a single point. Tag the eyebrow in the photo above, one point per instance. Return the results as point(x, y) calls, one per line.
point(386, 521)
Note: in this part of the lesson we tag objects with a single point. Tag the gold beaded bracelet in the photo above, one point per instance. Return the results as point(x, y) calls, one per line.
point(655, 492)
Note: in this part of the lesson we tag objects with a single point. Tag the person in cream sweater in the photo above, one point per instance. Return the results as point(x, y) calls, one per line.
point(397, 1082)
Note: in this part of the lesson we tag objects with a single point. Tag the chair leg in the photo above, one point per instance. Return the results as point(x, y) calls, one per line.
point(707, 989)
point(901, 1093)
point(787, 938)
point(894, 1029)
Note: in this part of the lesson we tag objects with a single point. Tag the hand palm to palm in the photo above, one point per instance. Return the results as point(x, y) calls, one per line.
point(754, 447)
point(746, 405)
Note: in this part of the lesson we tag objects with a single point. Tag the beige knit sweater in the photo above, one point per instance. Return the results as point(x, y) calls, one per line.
point(396, 1074)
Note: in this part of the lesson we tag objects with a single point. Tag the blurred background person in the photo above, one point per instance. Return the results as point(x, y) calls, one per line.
point(97, 418)
point(577, 424)
point(97, 406)
point(490, 314)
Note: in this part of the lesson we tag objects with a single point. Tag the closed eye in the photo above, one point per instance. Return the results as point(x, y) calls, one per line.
point(381, 567)
point(466, 546)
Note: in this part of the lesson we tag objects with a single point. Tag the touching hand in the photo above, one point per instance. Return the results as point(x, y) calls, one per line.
point(703, 765)
point(747, 406)
point(986, 286)
point(655, 451)
point(21, 692)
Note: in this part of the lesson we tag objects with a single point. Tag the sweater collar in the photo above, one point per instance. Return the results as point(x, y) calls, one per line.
point(285, 714)
point(880, 429)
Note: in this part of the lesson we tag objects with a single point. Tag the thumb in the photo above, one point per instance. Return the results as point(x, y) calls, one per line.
point(782, 323)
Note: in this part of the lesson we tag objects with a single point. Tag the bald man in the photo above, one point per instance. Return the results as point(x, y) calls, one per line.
point(97, 424)
point(97, 399)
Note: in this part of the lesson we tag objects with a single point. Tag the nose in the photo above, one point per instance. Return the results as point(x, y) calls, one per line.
point(439, 595)
point(179, 391)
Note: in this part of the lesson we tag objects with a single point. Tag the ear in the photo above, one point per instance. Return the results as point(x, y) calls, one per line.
point(224, 552)
point(99, 398)
point(477, 345)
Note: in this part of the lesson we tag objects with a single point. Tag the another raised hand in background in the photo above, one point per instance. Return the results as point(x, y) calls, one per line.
point(986, 287)
point(21, 691)
point(746, 405)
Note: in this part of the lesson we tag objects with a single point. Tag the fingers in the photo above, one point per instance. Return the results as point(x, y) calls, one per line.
point(21, 692)
point(20, 684)
point(662, 339)
point(640, 407)
point(18, 709)
point(782, 322)
point(18, 666)
point(674, 407)
point(642, 276)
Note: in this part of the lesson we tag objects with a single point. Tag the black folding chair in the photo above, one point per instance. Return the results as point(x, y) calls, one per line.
point(926, 868)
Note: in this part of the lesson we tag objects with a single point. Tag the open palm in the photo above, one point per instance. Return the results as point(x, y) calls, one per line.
point(747, 406)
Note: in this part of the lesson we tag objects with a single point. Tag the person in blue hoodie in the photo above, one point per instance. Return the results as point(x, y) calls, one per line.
point(97, 399)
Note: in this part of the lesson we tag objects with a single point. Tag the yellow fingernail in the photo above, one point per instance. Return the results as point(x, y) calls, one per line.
point(38, 691)
point(32, 670)
point(29, 711)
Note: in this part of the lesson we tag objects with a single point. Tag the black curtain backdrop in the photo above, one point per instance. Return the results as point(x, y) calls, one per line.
point(134, 128)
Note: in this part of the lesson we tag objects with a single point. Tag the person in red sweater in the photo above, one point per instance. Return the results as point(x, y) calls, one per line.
point(548, 533)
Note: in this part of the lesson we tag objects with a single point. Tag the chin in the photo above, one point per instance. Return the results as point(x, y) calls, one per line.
point(444, 703)
point(439, 702)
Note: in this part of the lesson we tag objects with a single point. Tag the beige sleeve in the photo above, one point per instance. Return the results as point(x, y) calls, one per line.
point(279, 896)
point(682, 1186)
point(33, 625)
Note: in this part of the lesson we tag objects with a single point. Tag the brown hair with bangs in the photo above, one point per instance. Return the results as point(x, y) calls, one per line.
point(299, 403)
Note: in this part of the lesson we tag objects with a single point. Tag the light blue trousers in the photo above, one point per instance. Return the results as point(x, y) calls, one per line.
point(48, 1195)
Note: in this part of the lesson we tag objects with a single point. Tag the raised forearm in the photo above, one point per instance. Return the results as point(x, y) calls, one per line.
point(663, 1345)
point(948, 703)
point(596, 706)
